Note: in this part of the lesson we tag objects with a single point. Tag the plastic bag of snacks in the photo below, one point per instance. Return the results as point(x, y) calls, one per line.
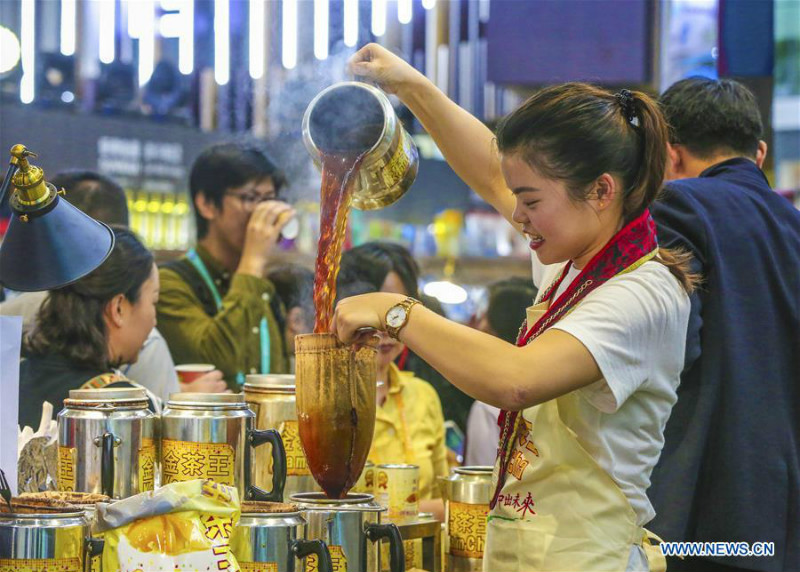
point(180, 527)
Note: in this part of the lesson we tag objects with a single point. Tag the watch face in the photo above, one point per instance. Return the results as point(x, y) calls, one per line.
point(396, 317)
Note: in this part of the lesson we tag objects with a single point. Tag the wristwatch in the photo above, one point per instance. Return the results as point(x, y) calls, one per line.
point(397, 317)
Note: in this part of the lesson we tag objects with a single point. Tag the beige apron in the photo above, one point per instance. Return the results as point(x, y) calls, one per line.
point(558, 509)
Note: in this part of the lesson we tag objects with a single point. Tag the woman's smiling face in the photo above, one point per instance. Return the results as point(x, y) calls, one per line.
point(558, 227)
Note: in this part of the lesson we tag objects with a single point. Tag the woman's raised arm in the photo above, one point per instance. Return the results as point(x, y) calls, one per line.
point(466, 143)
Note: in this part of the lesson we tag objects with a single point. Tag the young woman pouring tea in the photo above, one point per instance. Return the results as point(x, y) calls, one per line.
point(589, 386)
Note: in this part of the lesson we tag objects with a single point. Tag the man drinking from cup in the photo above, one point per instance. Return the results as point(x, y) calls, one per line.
point(215, 305)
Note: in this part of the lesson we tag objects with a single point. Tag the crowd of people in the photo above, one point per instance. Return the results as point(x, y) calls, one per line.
point(653, 381)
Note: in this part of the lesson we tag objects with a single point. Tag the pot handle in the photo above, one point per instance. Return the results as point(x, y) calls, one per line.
point(94, 547)
point(107, 464)
point(259, 437)
point(303, 548)
point(397, 556)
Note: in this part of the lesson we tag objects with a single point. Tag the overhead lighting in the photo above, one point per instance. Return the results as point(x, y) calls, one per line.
point(145, 26)
point(9, 50)
point(289, 34)
point(68, 19)
point(378, 17)
point(446, 292)
point(177, 21)
point(483, 11)
point(350, 23)
point(222, 41)
point(135, 17)
point(107, 32)
point(186, 41)
point(405, 10)
point(428, 4)
point(28, 47)
point(256, 39)
point(321, 29)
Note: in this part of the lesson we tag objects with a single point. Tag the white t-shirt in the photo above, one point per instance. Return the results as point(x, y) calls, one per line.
point(634, 326)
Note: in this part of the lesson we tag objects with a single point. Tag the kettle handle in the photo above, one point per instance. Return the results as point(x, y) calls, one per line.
point(107, 464)
point(259, 437)
point(397, 556)
point(94, 547)
point(303, 548)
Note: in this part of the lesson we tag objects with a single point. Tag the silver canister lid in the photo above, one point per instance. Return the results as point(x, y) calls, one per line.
point(270, 382)
point(475, 470)
point(470, 485)
point(353, 502)
point(398, 466)
point(115, 397)
point(208, 400)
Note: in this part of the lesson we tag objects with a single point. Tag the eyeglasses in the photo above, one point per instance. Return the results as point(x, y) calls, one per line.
point(253, 199)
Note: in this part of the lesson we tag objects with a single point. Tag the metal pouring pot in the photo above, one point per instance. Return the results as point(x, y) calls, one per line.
point(335, 408)
point(352, 529)
point(270, 535)
point(211, 436)
point(48, 540)
point(354, 118)
point(107, 442)
point(467, 492)
point(272, 397)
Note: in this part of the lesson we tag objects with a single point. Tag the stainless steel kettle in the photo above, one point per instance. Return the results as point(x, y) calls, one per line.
point(354, 118)
point(107, 442)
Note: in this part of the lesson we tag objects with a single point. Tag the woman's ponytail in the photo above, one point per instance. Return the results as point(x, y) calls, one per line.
point(653, 132)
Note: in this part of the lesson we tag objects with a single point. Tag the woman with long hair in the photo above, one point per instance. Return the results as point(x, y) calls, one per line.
point(86, 330)
point(586, 391)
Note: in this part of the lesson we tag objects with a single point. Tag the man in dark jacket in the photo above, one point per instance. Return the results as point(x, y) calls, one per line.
point(730, 468)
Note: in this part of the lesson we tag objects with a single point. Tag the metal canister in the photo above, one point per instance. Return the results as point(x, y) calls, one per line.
point(366, 481)
point(107, 442)
point(353, 118)
point(352, 529)
point(269, 536)
point(397, 489)
point(272, 397)
point(467, 492)
point(45, 541)
point(211, 436)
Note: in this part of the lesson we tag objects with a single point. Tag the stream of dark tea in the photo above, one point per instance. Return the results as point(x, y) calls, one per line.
point(333, 428)
point(336, 430)
point(338, 180)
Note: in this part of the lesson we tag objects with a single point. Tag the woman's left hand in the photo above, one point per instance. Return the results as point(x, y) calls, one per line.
point(364, 311)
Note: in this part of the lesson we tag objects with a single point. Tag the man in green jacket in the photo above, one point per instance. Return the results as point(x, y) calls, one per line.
point(215, 305)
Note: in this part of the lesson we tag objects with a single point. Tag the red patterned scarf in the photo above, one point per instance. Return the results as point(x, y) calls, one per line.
point(633, 245)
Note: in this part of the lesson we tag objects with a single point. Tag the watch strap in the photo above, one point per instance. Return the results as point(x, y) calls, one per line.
point(407, 304)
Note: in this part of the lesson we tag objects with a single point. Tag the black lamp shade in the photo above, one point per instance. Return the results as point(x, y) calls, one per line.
point(53, 249)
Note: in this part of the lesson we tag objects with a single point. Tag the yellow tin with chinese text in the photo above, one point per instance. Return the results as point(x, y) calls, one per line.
point(467, 492)
point(48, 541)
point(211, 436)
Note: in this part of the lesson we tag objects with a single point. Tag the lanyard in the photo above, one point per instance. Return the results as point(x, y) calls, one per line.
point(408, 450)
point(200, 266)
